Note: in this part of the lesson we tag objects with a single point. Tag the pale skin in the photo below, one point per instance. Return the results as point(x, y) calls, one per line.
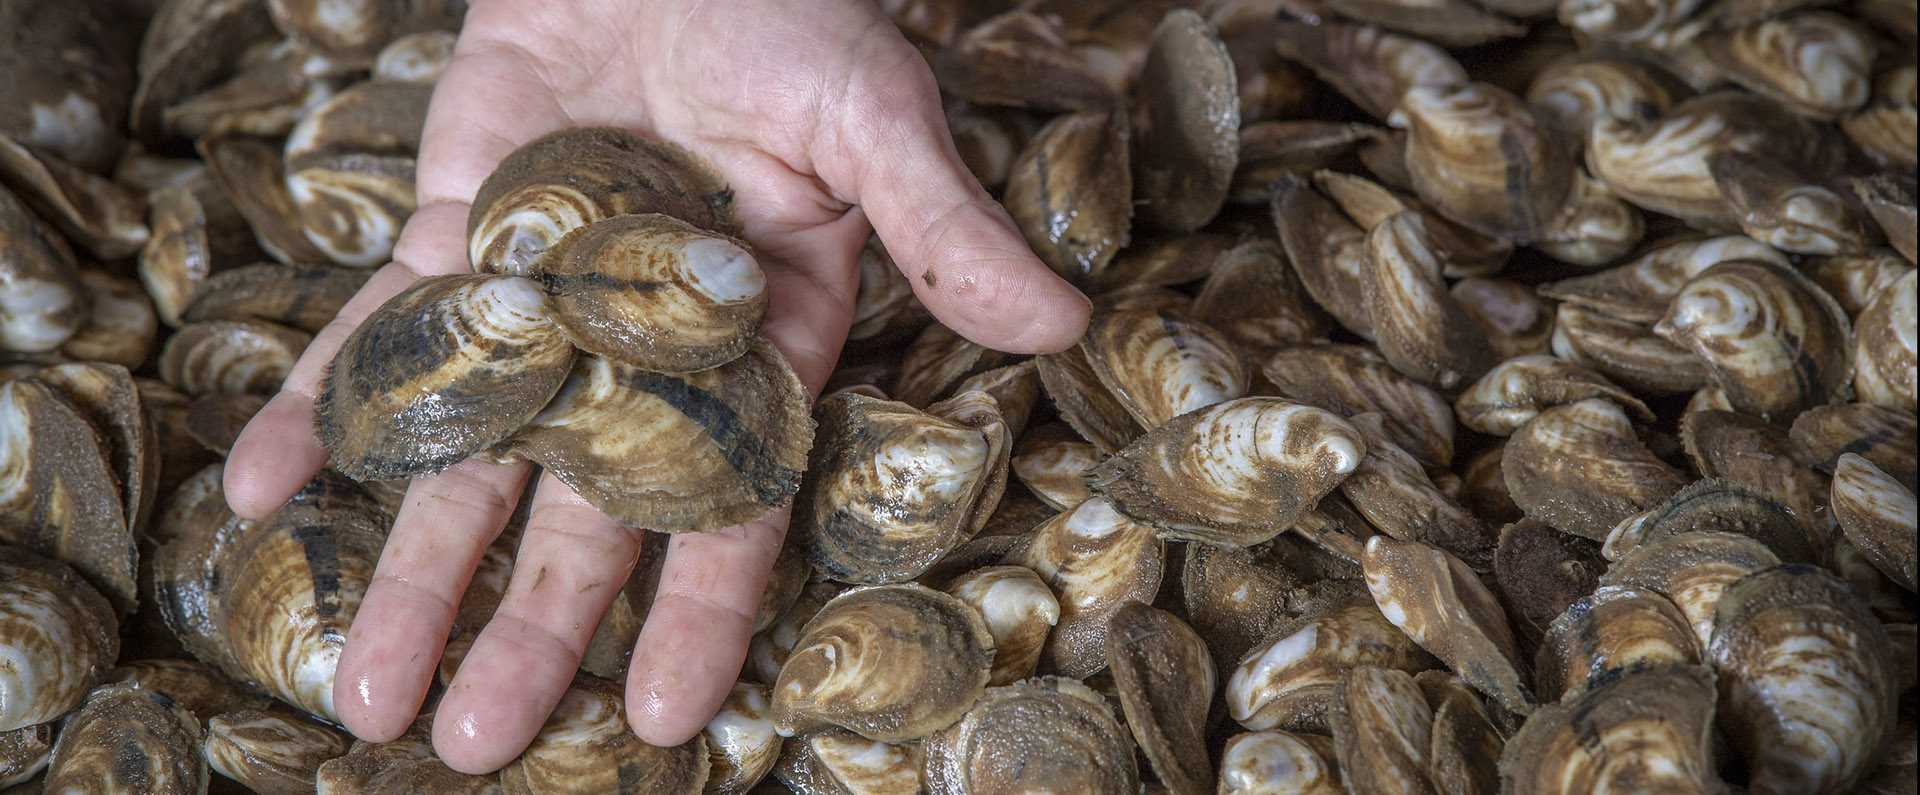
point(826, 123)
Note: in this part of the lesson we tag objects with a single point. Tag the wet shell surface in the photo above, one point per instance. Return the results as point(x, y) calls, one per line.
point(1693, 570)
point(1886, 346)
point(576, 176)
point(129, 740)
point(1327, 249)
point(1580, 469)
point(1236, 473)
point(271, 751)
point(1647, 730)
point(840, 762)
point(742, 745)
point(1070, 191)
point(1161, 365)
point(1775, 343)
point(447, 368)
point(1020, 611)
point(1046, 733)
point(1277, 763)
point(1443, 606)
point(1166, 681)
point(1351, 380)
point(1395, 495)
point(889, 662)
point(1878, 515)
point(676, 452)
point(1187, 148)
point(587, 746)
point(60, 639)
point(1421, 329)
point(1518, 389)
point(656, 292)
point(1613, 629)
point(1382, 731)
point(231, 357)
point(1288, 680)
point(1452, 132)
point(1095, 560)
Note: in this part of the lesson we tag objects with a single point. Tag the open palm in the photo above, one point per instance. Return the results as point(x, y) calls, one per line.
point(823, 120)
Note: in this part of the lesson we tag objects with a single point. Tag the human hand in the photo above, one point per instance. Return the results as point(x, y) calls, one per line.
point(823, 120)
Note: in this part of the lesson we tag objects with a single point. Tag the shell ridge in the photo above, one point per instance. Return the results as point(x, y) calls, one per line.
point(744, 451)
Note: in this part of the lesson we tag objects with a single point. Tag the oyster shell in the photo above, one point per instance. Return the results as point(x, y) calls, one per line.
point(1878, 515)
point(188, 46)
point(60, 635)
point(1614, 629)
point(586, 746)
point(304, 297)
point(1049, 732)
point(689, 451)
point(839, 762)
point(768, 650)
point(1693, 570)
point(655, 292)
point(108, 398)
point(1161, 365)
point(1814, 63)
point(1760, 456)
point(1295, 454)
point(1649, 729)
point(1382, 731)
point(446, 368)
point(1882, 435)
point(1452, 130)
point(1806, 677)
point(1888, 128)
point(1441, 605)
point(249, 171)
point(1019, 610)
point(1853, 281)
point(1465, 756)
point(73, 77)
point(1372, 67)
point(1517, 321)
point(892, 489)
point(1574, 93)
point(1421, 329)
point(1885, 346)
point(355, 33)
point(1580, 469)
point(1540, 572)
point(231, 357)
point(1055, 469)
point(889, 662)
point(1071, 193)
point(349, 169)
point(271, 751)
point(1255, 298)
point(45, 303)
point(405, 765)
point(94, 212)
point(1462, 251)
point(120, 328)
point(129, 740)
point(24, 753)
point(1233, 597)
point(1095, 560)
point(1775, 342)
point(1327, 249)
point(1790, 212)
point(415, 57)
point(1277, 763)
point(1628, 353)
point(741, 742)
point(575, 176)
point(62, 496)
point(1640, 291)
point(1188, 142)
point(1351, 380)
point(1166, 680)
point(1396, 496)
point(1518, 389)
point(1020, 59)
point(1289, 680)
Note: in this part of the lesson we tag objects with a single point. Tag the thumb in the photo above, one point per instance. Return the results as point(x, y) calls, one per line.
point(958, 247)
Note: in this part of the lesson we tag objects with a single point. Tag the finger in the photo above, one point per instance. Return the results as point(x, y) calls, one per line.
point(695, 636)
point(572, 562)
point(965, 258)
point(394, 645)
point(279, 450)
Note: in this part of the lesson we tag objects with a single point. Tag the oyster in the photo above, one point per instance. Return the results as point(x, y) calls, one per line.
point(349, 169)
point(1575, 93)
point(1647, 730)
point(60, 639)
point(1166, 680)
point(1350, 380)
point(1019, 59)
point(1188, 143)
point(271, 751)
point(249, 172)
point(839, 762)
point(1614, 629)
point(1579, 468)
point(120, 328)
point(768, 651)
point(688, 451)
point(741, 742)
point(415, 57)
point(1382, 731)
point(1396, 496)
point(1775, 342)
point(1289, 680)
point(304, 297)
point(231, 357)
point(1806, 677)
point(892, 489)
point(72, 79)
point(355, 33)
point(1054, 469)
point(1640, 291)
point(889, 662)
point(1888, 128)
point(1278, 763)
point(188, 46)
point(1882, 435)
point(575, 176)
point(446, 368)
point(1161, 365)
point(1371, 66)
point(62, 494)
point(1760, 456)
point(1235, 473)
point(1885, 346)
point(1421, 329)
point(586, 746)
point(45, 304)
point(1853, 281)
point(1019, 610)
point(1442, 605)
point(129, 740)
point(1049, 733)
point(1234, 597)
point(1890, 202)
point(655, 292)
point(1462, 251)
point(1517, 321)
point(1465, 756)
point(1451, 133)
point(405, 765)
point(24, 753)
point(1518, 389)
point(1095, 560)
point(1814, 63)
point(1693, 570)
point(94, 212)
point(1327, 249)
point(1878, 515)
point(1790, 212)
point(1627, 353)
point(1071, 193)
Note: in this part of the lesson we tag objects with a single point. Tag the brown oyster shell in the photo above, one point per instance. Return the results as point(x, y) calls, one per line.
point(94, 212)
point(1518, 389)
point(271, 751)
point(1886, 128)
point(107, 396)
point(1815, 63)
point(1382, 731)
point(196, 686)
point(1853, 281)
point(891, 489)
point(1462, 251)
point(1751, 452)
point(1421, 329)
point(575, 176)
point(1448, 23)
point(1540, 572)
point(416, 57)
point(121, 327)
point(1327, 249)
point(1648, 729)
point(1351, 380)
point(405, 765)
point(1290, 679)
point(1806, 679)
point(768, 650)
point(1614, 629)
point(1775, 342)
point(1580, 469)
point(1574, 93)
point(1020, 611)
point(1596, 228)
point(1443, 606)
point(349, 169)
point(1465, 755)
point(937, 360)
point(24, 753)
point(1885, 346)
point(1070, 192)
point(655, 292)
point(838, 762)
point(73, 77)
point(1055, 469)
point(1372, 67)
point(1877, 514)
point(1166, 681)
point(1516, 320)
point(1020, 59)
point(188, 46)
point(1237, 472)
point(687, 452)
point(1048, 732)
point(46, 304)
point(231, 357)
point(888, 662)
point(1452, 132)
point(586, 746)
point(304, 297)
point(129, 740)
point(1625, 352)
point(1234, 597)
point(448, 367)
point(1161, 365)
point(1187, 140)
point(1274, 762)
point(273, 86)
point(1787, 210)
point(1270, 150)
point(1095, 560)
point(193, 228)
point(61, 637)
point(1882, 435)
point(1395, 495)
point(250, 172)
point(354, 34)
point(1640, 291)
point(1693, 570)
point(1255, 298)
point(741, 743)
point(64, 496)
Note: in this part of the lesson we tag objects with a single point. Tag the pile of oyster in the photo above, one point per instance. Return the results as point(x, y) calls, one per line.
point(1481, 395)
